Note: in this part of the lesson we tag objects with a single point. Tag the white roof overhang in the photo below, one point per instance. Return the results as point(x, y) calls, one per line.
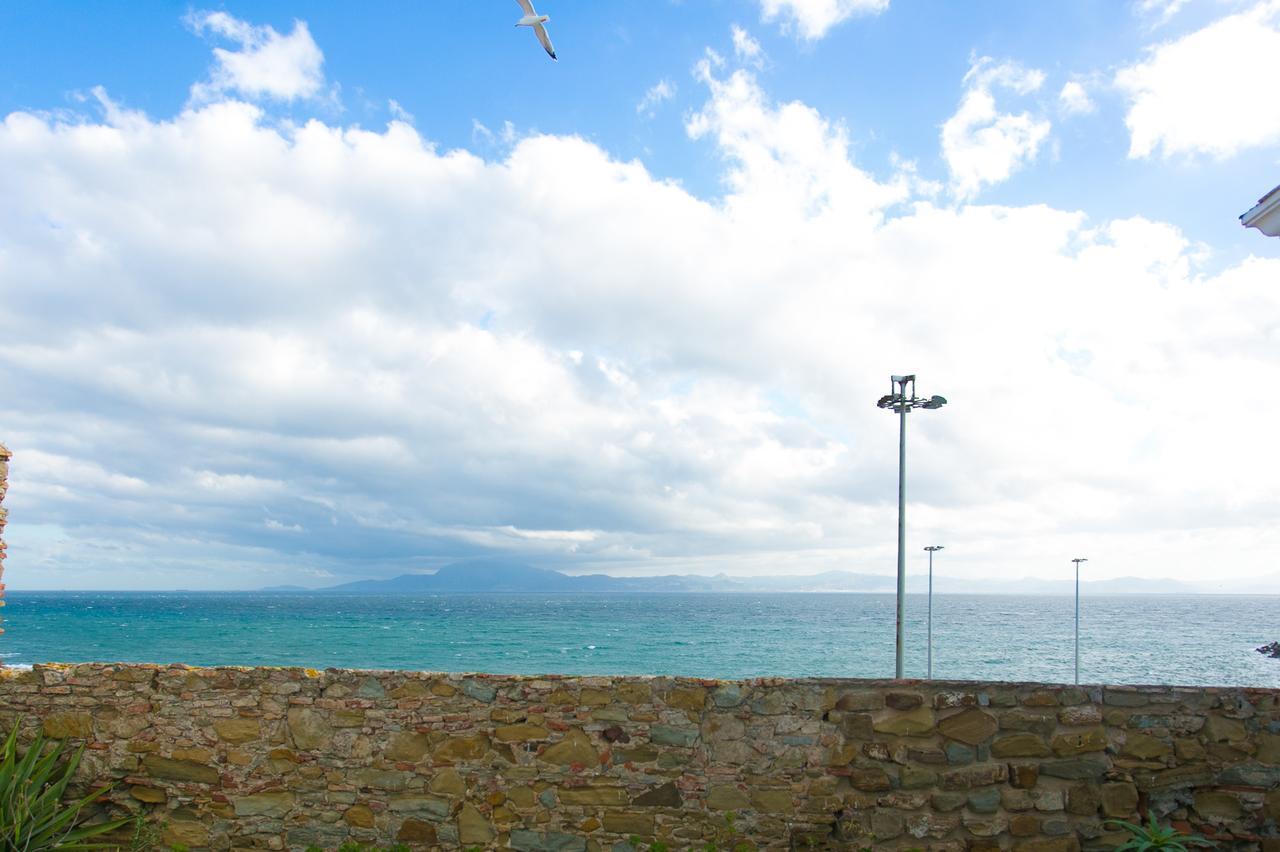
point(1266, 215)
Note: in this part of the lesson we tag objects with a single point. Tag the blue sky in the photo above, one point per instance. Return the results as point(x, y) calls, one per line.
point(311, 292)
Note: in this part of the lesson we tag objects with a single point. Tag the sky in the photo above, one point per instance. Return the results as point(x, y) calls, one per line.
point(302, 293)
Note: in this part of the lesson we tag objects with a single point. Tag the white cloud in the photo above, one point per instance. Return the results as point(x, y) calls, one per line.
point(398, 112)
point(267, 65)
point(814, 18)
point(1208, 92)
point(983, 146)
point(746, 48)
point(1073, 99)
point(1159, 12)
point(663, 90)
point(219, 329)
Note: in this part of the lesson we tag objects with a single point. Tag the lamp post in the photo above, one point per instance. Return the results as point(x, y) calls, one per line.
point(1078, 561)
point(901, 400)
point(931, 548)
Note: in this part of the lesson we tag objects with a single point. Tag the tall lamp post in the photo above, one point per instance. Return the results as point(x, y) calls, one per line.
point(931, 548)
point(1078, 561)
point(903, 400)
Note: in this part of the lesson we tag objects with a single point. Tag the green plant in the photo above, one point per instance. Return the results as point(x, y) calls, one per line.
point(1154, 836)
point(33, 815)
point(146, 835)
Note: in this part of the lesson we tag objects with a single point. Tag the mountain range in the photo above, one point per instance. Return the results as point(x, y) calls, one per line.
point(494, 577)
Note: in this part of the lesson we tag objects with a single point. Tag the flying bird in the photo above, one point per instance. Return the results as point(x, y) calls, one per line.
point(533, 19)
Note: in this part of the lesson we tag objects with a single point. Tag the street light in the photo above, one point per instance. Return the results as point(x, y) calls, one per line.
point(902, 401)
point(1078, 561)
point(931, 548)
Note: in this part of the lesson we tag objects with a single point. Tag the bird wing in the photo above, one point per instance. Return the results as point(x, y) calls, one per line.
point(527, 5)
point(545, 39)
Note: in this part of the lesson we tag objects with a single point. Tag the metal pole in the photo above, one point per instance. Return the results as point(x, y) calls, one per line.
point(902, 527)
point(1077, 562)
point(931, 613)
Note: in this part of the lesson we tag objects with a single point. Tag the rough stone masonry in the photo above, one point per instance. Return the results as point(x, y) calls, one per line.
point(286, 758)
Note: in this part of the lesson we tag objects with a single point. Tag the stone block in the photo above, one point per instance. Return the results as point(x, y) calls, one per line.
point(1075, 769)
point(417, 832)
point(869, 779)
point(238, 731)
point(663, 796)
point(1119, 800)
point(1024, 825)
point(1219, 729)
point(524, 840)
point(1217, 805)
point(911, 723)
point(726, 797)
point(984, 801)
point(1019, 745)
point(473, 827)
point(428, 806)
point(853, 701)
point(1079, 742)
point(185, 832)
point(628, 823)
point(673, 736)
point(150, 795)
point(277, 804)
point(691, 698)
point(457, 749)
point(1080, 715)
point(447, 782)
point(60, 726)
point(408, 746)
point(1029, 721)
point(480, 691)
point(1024, 775)
point(180, 770)
point(523, 732)
point(309, 729)
point(971, 726)
point(1083, 799)
point(601, 795)
point(903, 700)
point(1058, 844)
point(1145, 747)
point(358, 816)
point(1113, 697)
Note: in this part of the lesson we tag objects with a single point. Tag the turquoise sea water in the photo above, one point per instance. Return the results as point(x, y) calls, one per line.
point(1123, 639)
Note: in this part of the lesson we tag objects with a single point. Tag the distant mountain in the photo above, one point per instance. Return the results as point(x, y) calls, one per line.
point(494, 576)
point(1038, 586)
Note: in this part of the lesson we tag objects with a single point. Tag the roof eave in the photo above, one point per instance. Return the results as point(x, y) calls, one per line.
point(1266, 215)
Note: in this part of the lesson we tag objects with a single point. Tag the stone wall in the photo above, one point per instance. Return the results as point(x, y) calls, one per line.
point(291, 758)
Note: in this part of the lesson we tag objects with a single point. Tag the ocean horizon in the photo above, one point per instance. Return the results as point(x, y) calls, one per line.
point(1140, 639)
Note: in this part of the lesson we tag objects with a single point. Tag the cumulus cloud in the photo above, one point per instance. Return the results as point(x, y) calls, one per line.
point(747, 50)
point(1207, 92)
point(240, 352)
point(812, 19)
point(1074, 99)
point(266, 65)
point(663, 90)
point(1159, 12)
point(983, 146)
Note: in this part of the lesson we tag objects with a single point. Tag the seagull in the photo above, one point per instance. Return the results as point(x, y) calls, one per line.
point(533, 19)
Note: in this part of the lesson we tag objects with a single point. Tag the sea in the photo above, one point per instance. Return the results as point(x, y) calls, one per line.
point(1156, 639)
